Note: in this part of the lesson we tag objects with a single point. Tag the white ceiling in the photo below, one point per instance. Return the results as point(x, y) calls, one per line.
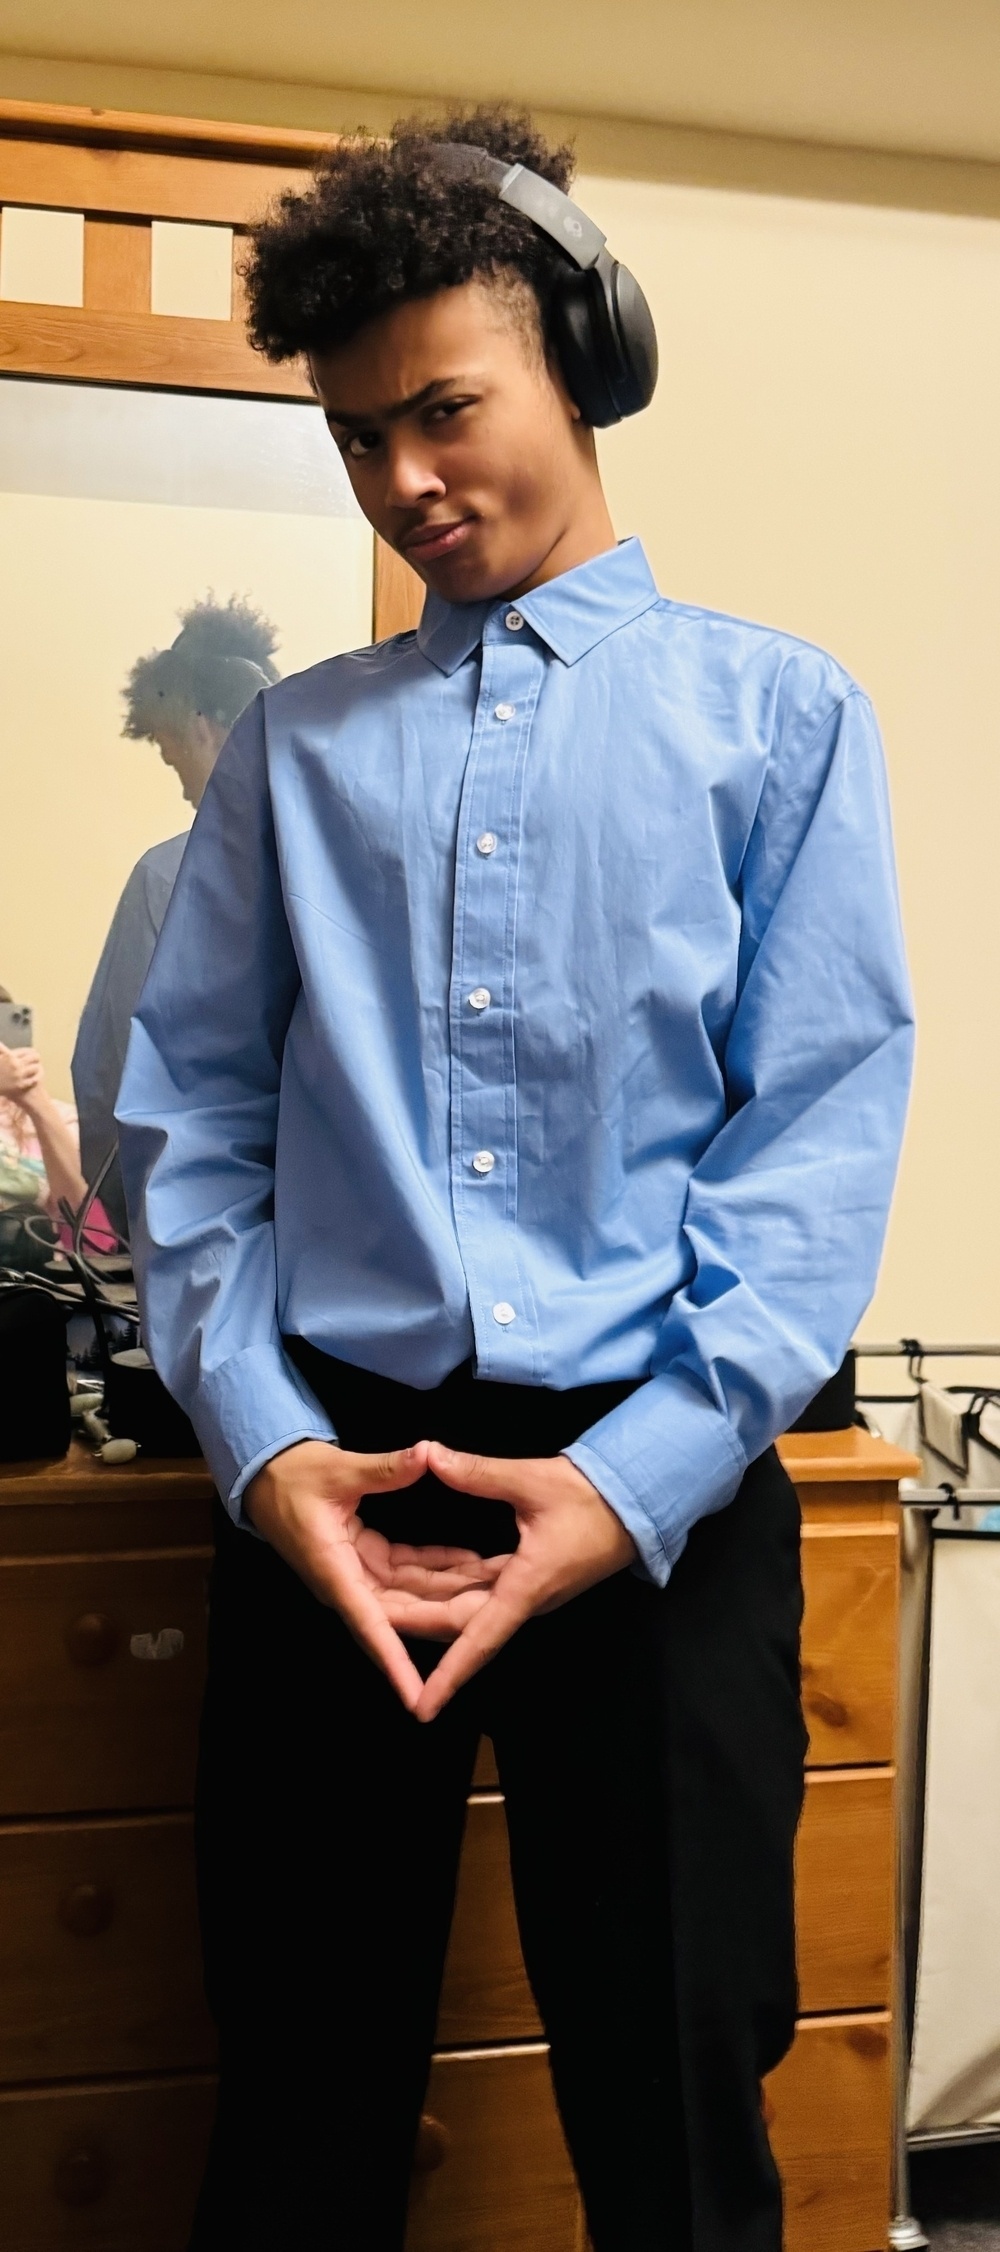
point(903, 74)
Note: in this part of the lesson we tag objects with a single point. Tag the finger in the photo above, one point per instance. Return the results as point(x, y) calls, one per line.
point(386, 1473)
point(436, 1557)
point(483, 1474)
point(506, 1608)
point(363, 1615)
point(440, 1570)
point(434, 1586)
point(430, 1621)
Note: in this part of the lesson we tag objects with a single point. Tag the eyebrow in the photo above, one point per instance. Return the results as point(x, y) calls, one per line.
point(391, 414)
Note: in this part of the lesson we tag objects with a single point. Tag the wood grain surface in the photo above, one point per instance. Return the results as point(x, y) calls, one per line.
point(849, 1642)
point(844, 1889)
point(153, 349)
point(100, 1967)
point(144, 183)
point(485, 1996)
point(113, 2167)
point(85, 1725)
point(505, 2183)
point(828, 2107)
point(117, 265)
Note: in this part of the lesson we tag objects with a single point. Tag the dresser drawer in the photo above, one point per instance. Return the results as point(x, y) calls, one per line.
point(849, 1632)
point(844, 1888)
point(493, 2172)
point(844, 1895)
point(103, 2169)
point(485, 1996)
point(100, 1968)
point(101, 1668)
point(828, 2108)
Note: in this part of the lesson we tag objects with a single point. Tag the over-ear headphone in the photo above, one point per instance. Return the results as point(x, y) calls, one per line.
point(601, 326)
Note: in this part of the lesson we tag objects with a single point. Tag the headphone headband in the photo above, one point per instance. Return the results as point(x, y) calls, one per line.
point(546, 206)
point(598, 320)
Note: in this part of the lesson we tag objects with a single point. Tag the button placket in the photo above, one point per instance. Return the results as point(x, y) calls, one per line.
point(484, 1154)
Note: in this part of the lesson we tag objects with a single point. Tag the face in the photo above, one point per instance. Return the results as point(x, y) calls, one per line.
point(192, 751)
point(462, 445)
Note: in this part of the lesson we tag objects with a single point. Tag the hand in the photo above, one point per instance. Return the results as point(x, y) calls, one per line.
point(21, 1074)
point(305, 1503)
point(569, 1539)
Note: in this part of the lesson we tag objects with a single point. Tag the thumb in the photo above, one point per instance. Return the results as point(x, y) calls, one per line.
point(490, 1475)
point(385, 1473)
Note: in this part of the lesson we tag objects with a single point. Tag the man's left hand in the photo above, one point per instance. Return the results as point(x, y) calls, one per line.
point(569, 1539)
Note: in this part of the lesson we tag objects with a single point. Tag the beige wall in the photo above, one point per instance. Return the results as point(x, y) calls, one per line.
point(85, 586)
point(823, 452)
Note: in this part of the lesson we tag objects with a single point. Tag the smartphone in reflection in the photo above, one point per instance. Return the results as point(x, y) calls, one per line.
point(15, 1025)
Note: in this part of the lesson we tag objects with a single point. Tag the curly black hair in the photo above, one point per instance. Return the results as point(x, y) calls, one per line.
point(222, 655)
point(383, 223)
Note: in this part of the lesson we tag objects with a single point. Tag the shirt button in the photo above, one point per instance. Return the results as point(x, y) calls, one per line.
point(503, 1313)
point(513, 621)
point(484, 1161)
point(486, 844)
point(480, 997)
point(504, 711)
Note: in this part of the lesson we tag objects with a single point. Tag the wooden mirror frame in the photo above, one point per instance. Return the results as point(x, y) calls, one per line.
point(122, 171)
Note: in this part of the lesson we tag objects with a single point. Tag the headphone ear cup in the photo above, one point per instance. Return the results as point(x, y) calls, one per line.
point(637, 342)
point(603, 332)
point(573, 325)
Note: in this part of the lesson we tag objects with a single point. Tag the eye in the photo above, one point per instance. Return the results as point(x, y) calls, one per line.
point(447, 409)
point(359, 445)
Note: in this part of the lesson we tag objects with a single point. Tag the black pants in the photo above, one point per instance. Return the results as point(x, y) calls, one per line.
point(650, 1748)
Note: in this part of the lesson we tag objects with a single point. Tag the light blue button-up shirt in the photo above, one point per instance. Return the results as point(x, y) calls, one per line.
point(532, 990)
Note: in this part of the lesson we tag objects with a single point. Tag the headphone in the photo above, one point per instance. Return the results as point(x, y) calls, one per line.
point(600, 324)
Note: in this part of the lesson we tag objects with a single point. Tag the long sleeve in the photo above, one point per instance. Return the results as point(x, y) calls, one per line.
point(197, 1115)
point(786, 1210)
point(103, 1033)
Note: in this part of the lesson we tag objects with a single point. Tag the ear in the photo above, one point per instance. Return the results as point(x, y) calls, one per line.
point(559, 385)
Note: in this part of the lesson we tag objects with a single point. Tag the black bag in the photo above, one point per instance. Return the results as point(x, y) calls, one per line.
point(138, 1406)
point(34, 1394)
point(834, 1407)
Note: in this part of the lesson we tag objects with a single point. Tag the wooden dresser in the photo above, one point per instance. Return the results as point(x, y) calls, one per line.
point(106, 2050)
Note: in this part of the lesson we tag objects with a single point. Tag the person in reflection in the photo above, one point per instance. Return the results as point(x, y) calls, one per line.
point(184, 699)
point(509, 1125)
point(40, 1150)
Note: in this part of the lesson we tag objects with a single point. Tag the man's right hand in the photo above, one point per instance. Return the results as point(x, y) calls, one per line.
point(305, 1502)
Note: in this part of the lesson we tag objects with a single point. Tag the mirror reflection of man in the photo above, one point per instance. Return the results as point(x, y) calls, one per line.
point(184, 699)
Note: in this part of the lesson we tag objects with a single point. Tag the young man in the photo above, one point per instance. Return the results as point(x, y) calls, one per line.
point(184, 699)
point(510, 1121)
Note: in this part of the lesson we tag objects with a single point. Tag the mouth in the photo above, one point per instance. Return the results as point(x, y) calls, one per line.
point(429, 541)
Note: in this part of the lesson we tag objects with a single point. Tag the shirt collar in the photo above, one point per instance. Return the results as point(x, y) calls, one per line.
point(570, 614)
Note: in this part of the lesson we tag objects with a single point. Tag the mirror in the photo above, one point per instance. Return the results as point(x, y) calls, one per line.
point(161, 555)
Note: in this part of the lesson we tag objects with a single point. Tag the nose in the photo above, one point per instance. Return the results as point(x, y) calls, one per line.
point(411, 473)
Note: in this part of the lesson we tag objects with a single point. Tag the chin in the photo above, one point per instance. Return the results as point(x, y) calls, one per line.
point(468, 577)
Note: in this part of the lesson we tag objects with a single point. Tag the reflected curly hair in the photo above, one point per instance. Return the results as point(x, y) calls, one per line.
point(222, 655)
point(382, 223)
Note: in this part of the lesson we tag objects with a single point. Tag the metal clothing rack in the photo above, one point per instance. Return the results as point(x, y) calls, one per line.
point(905, 2232)
point(914, 1349)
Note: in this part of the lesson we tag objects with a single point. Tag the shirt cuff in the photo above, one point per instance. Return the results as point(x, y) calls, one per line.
point(247, 1410)
point(663, 1458)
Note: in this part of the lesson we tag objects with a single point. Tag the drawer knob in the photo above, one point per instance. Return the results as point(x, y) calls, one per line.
point(92, 1639)
point(80, 2176)
point(86, 1909)
point(432, 2145)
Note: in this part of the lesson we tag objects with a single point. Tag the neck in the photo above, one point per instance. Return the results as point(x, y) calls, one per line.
point(590, 532)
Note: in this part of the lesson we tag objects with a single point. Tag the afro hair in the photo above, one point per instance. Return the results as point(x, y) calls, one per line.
point(222, 655)
point(383, 223)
